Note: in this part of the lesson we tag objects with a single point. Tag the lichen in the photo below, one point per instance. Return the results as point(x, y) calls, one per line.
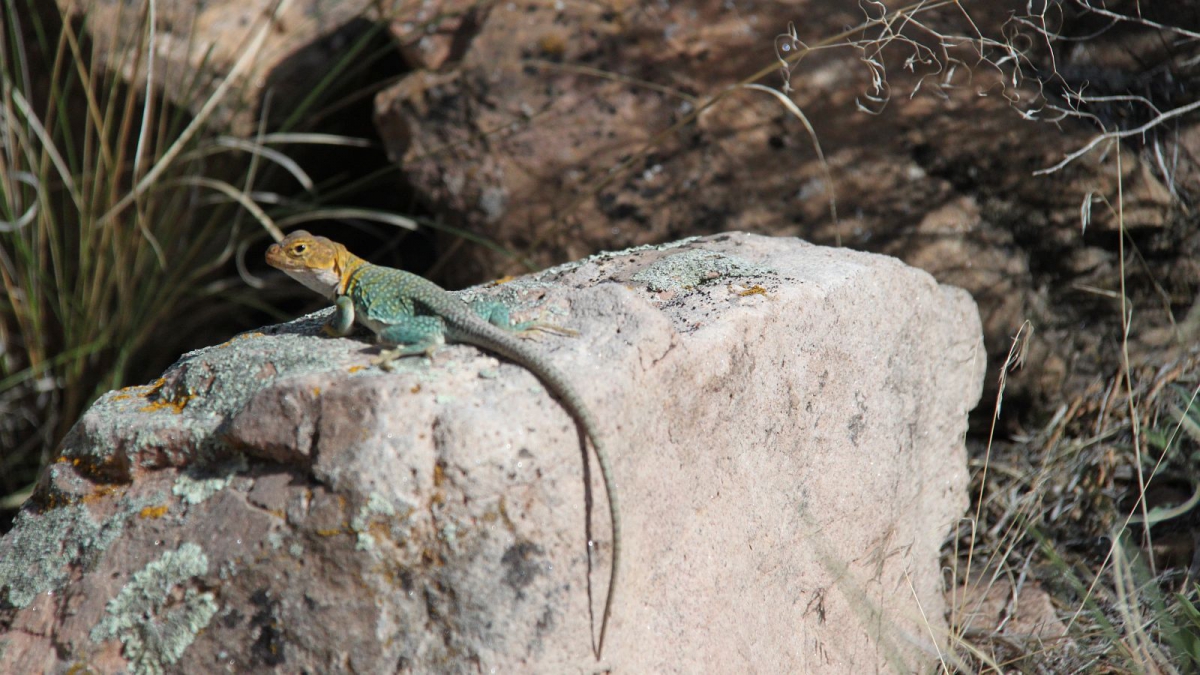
point(605, 256)
point(177, 416)
point(376, 504)
point(228, 570)
point(36, 555)
point(689, 269)
point(155, 626)
point(154, 512)
point(199, 483)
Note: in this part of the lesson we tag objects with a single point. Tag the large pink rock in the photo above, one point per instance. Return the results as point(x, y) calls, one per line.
point(786, 427)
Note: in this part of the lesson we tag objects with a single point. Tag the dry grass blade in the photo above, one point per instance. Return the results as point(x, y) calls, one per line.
point(348, 213)
point(244, 62)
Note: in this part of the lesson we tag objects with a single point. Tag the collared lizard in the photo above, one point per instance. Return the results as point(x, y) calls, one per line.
point(417, 316)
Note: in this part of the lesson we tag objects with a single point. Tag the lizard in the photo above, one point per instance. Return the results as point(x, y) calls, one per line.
point(417, 316)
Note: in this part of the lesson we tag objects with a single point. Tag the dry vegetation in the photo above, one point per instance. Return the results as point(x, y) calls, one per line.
point(121, 220)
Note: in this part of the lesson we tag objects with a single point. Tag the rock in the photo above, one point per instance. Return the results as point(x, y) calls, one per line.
point(990, 605)
point(786, 427)
point(202, 42)
point(525, 139)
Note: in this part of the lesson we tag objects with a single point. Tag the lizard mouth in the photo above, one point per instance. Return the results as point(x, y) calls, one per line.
point(275, 257)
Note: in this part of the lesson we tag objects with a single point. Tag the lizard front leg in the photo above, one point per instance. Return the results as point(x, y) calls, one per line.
point(413, 335)
point(343, 318)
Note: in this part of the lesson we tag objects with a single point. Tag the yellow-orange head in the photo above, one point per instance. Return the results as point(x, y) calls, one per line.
point(319, 263)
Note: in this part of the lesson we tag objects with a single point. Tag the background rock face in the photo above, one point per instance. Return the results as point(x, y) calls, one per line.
point(560, 129)
point(785, 423)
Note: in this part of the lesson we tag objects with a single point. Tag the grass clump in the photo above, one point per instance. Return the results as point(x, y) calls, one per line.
point(121, 217)
point(113, 219)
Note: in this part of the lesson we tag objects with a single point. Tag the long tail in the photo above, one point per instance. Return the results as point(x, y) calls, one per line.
point(610, 490)
point(511, 348)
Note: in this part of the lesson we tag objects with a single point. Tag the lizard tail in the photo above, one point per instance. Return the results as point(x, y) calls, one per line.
point(610, 491)
point(511, 348)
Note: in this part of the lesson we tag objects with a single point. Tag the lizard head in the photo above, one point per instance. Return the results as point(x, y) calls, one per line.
point(316, 262)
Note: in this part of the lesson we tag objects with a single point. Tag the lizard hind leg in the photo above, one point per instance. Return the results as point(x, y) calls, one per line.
point(497, 314)
point(528, 328)
point(415, 335)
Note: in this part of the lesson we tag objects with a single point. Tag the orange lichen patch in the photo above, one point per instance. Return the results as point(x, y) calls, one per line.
point(93, 467)
point(154, 511)
point(380, 531)
point(355, 369)
point(753, 290)
point(416, 389)
point(176, 405)
point(333, 532)
point(106, 490)
point(51, 501)
point(101, 492)
point(235, 338)
point(316, 391)
point(155, 389)
point(502, 280)
point(138, 390)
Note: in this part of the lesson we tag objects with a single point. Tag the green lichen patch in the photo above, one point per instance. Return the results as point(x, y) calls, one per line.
point(174, 421)
point(608, 256)
point(154, 623)
point(376, 519)
point(35, 557)
point(689, 269)
point(199, 483)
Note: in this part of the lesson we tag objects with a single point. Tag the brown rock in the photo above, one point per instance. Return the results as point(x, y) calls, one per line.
point(288, 49)
point(1024, 618)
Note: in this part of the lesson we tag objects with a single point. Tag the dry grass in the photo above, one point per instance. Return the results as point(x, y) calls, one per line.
point(124, 221)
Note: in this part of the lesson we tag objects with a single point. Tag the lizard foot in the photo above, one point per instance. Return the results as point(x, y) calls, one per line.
point(387, 358)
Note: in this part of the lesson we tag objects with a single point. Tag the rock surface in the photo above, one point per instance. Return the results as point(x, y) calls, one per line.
point(289, 45)
point(786, 427)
